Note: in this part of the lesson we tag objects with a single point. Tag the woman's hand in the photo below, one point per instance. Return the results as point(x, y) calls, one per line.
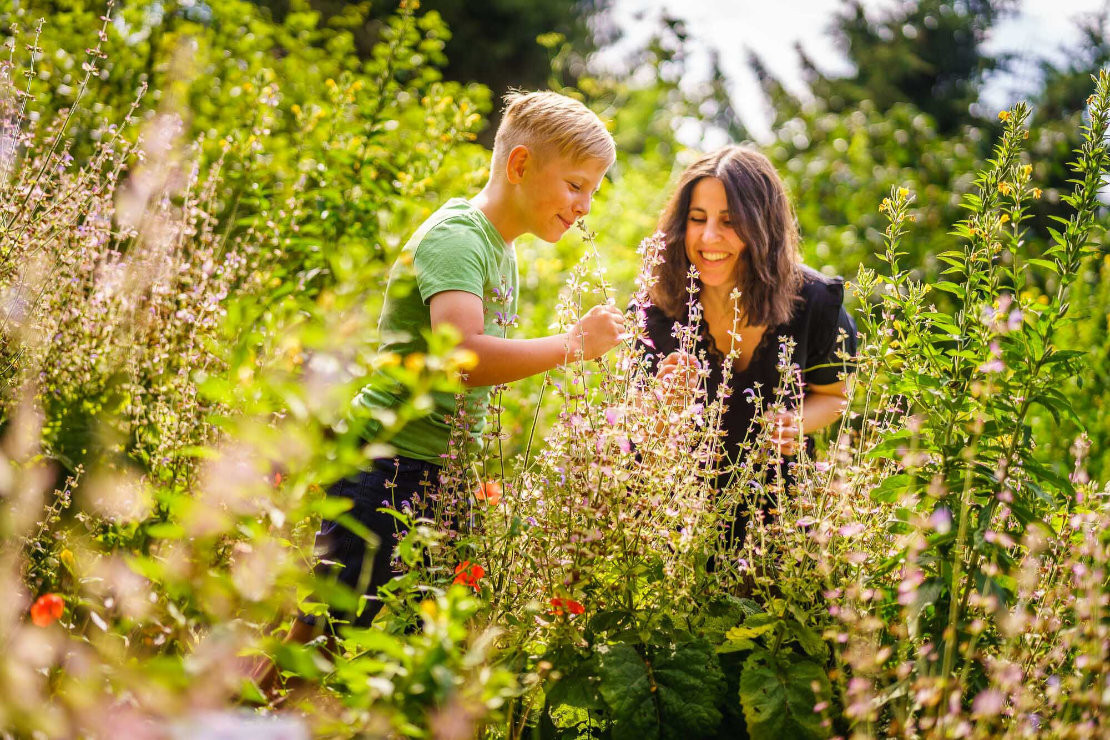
point(786, 432)
point(678, 372)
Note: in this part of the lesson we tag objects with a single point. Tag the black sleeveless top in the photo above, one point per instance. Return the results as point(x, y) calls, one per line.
point(815, 328)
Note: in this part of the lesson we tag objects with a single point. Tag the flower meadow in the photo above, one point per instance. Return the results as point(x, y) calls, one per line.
point(187, 316)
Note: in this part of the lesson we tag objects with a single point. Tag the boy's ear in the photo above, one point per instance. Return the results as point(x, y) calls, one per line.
point(518, 161)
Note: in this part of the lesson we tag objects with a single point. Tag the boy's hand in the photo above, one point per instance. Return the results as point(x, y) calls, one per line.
point(597, 332)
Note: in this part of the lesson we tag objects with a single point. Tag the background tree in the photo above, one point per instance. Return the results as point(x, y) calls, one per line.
point(496, 43)
point(928, 54)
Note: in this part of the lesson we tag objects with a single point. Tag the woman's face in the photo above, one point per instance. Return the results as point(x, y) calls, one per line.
point(712, 245)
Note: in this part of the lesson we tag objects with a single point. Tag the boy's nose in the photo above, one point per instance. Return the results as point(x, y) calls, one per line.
point(582, 206)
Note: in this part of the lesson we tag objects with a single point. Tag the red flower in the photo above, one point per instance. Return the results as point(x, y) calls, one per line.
point(46, 609)
point(570, 605)
point(468, 574)
point(490, 492)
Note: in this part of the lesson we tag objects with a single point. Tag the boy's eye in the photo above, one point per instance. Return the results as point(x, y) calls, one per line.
point(574, 186)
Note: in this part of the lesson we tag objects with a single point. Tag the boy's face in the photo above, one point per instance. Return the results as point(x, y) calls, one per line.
point(556, 192)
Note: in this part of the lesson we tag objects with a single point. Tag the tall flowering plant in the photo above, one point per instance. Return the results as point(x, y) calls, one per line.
point(948, 569)
point(603, 553)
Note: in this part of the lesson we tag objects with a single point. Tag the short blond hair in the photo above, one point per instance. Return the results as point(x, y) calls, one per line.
point(549, 123)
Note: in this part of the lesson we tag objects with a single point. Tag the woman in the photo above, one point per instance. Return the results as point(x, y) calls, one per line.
point(731, 219)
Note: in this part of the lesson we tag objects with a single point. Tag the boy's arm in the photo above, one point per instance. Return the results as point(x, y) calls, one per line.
point(505, 360)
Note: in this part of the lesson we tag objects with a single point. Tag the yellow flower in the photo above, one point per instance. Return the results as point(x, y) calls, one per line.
point(1004, 115)
point(296, 109)
point(1005, 218)
point(1004, 188)
point(1036, 192)
point(465, 359)
point(1027, 170)
point(903, 192)
point(67, 559)
point(387, 359)
point(414, 362)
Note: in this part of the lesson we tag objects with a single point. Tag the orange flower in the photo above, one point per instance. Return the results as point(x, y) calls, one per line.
point(46, 609)
point(468, 574)
point(570, 605)
point(490, 492)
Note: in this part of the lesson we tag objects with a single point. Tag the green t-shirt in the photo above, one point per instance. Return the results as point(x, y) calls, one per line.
point(456, 248)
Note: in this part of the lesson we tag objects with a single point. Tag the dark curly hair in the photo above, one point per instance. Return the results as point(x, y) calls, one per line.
point(769, 273)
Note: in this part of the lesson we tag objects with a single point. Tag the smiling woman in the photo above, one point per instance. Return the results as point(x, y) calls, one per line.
point(731, 224)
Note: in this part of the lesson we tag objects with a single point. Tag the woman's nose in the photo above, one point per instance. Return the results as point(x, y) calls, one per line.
point(711, 232)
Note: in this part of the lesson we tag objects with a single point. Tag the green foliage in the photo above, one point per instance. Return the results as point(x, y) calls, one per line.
point(313, 141)
point(928, 54)
point(190, 305)
point(779, 694)
point(672, 692)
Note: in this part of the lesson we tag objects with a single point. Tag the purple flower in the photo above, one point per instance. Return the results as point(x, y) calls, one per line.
point(941, 520)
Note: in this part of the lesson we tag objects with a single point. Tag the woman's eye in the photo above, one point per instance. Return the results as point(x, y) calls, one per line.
point(697, 220)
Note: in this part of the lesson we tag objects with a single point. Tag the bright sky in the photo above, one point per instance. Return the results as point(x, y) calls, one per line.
point(771, 29)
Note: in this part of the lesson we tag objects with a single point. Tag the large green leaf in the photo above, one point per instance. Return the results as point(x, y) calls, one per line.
point(672, 694)
point(722, 614)
point(690, 685)
point(627, 689)
point(778, 697)
point(577, 686)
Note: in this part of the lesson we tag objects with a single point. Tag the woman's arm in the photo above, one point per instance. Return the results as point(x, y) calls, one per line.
point(822, 405)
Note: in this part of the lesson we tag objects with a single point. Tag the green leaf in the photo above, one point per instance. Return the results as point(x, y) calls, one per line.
point(754, 626)
point(691, 686)
point(778, 697)
point(722, 613)
point(673, 694)
point(949, 287)
point(892, 488)
point(577, 687)
point(810, 641)
point(1046, 264)
point(627, 690)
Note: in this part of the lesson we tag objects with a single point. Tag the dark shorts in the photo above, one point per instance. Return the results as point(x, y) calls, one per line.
point(399, 483)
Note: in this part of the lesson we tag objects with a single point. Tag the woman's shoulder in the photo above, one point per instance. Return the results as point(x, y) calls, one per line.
point(819, 289)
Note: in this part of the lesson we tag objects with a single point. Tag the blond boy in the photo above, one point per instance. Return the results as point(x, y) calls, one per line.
point(549, 157)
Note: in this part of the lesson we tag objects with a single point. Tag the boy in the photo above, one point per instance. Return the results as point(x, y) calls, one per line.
point(549, 157)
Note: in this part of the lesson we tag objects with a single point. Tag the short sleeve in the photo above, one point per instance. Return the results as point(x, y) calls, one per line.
point(832, 331)
point(450, 257)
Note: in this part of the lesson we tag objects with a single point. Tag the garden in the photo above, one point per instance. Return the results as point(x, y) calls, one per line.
point(199, 207)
